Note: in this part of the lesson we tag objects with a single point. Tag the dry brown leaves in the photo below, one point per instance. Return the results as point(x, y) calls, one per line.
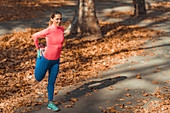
point(153, 106)
point(158, 106)
point(80, 59)
point(27, 9)
point(163, 6)
point(156, 11)
point(119, 14)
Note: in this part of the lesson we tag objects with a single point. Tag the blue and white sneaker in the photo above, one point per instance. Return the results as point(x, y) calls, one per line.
point(40, 51)
point(53, 107)
point(38, 54)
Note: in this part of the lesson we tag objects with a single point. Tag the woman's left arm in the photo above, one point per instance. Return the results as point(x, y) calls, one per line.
point(39, 34)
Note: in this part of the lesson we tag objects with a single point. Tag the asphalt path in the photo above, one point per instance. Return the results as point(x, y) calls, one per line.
point(111, 89)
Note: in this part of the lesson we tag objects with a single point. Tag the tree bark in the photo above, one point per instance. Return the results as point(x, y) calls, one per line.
point(140, 9)
point(85, 20)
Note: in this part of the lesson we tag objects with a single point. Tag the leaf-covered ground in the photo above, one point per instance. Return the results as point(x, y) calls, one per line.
point(28, 9)
point(154, 12)
point(80, 59)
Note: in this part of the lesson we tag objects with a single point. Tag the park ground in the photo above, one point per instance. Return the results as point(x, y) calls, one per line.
point(128, 71)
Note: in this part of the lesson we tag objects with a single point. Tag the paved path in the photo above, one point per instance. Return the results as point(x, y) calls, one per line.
point(89, 100)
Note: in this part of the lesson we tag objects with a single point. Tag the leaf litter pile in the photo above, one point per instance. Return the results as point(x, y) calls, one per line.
point(80, 60)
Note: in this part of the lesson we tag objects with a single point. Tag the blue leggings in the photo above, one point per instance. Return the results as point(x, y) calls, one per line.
point(42, 65)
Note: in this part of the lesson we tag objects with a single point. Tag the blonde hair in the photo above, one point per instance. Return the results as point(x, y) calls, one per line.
point(52, 16)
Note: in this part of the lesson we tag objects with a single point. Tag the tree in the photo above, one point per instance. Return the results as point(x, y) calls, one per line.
point(140, 9)
point(85, 20)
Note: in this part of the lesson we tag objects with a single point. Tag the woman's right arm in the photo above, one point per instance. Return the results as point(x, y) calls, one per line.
point(38, 35)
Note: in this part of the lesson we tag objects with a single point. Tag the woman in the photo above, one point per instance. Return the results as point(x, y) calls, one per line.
point(50, 58)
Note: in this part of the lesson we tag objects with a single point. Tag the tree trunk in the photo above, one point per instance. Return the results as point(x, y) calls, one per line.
point(140, 9)
point(85, 20)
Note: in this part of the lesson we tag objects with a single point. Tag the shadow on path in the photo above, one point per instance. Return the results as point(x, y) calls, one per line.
point(91, 86)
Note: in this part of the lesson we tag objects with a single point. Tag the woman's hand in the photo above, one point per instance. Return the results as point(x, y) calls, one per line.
point(42, 47)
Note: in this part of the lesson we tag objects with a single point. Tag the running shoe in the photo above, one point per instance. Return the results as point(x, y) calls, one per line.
point(39, 54)
point(53, 107)
point(40, 51)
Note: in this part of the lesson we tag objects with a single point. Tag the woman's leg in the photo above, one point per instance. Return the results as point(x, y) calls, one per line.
point(53, 72)
point(42, 65)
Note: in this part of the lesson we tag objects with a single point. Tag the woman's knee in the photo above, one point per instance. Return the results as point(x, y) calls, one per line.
point(38, 79)
point(39, 76)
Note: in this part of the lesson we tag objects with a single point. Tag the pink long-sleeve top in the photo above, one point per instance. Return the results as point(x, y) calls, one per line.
point(54, 38)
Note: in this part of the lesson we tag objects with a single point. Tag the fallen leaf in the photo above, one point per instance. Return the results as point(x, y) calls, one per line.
point(138, 77)
point(68, 106)
point(73, 99)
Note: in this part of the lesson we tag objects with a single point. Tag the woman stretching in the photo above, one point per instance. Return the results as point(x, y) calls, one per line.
point(50, 58)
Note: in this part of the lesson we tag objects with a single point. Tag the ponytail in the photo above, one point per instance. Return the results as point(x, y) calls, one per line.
point(50, 23)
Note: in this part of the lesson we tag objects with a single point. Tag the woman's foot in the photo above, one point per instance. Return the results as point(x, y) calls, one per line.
point(39, 54)
point(40, 51)
point(53, 107)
